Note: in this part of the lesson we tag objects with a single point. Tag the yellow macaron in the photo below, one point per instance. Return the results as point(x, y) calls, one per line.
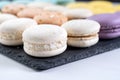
point(101, 3)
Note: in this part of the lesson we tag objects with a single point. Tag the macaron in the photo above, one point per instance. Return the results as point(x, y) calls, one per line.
point(5, 17)
point(29, 12)
point(78, 13)
point(74, 5)
point(100, 10)
point(49, 17)
point(39, 4)
point(110, 25)
point(82, 33)
point(11, 30)
point(56, 8)
point(13, 8)
point(117, 13)
point(101, 3)
point(45, 40)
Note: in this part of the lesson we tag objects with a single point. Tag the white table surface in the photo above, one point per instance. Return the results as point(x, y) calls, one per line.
point(101, 67)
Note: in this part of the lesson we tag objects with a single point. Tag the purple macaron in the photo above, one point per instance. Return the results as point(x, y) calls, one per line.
point(110, 25)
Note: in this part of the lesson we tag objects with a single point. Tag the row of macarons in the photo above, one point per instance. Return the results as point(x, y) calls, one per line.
point(46, 13)
point(45, 40)
point(95, 6)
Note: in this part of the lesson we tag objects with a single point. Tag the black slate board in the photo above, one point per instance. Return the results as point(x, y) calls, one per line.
point(70, 55)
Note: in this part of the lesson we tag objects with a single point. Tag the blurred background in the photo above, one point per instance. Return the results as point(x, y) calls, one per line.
point(96, 6)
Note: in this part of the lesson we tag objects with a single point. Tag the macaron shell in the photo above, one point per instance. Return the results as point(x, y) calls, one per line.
point(110, 30)
point(78, 13)
point(81, 27)
point(14, 25)
point(10, 42)
point(75, 42)
point(49, 34)
point(45, 53)
point(4, 17)
point(109, 35)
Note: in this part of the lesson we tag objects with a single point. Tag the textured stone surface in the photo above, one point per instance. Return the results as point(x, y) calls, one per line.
point(70, 55)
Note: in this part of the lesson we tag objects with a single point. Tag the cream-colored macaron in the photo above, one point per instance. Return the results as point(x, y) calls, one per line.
point(45, 40)
point(82, 33)
point(80, 13)
point(11, 30)
point(4, 17)
point(56, 8)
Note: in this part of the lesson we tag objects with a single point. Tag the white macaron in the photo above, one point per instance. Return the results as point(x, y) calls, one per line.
point(80, 13)
point(45, 40)
point(4, 17)
point(82, 33)
point(41, 5)
point(11, 30)
point(56, 8)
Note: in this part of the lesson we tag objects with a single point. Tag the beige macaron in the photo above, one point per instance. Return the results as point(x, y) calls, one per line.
point(50, 17)
point(29, 12)
point(13, 8)
point(80, 13)
point(11, 30)
point(56, 8)
point(45, 40)
point(82, 33)
point(5, 17)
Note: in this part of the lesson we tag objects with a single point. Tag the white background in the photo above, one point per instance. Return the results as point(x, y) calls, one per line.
point(105, 66)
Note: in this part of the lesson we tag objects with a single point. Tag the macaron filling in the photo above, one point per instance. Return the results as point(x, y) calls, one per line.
point(110, 30)
point(11, 36)
point(83, 41)
point(84, 37)
point(43, 46)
